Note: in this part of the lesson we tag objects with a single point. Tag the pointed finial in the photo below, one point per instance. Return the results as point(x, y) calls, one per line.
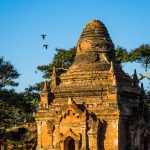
point(142, 89)
point(45, 86)
point(44, 96)
point(135, 78)
point(111, 67)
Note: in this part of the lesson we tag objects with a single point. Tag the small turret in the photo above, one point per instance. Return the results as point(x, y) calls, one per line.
point(114, 82)
point(45, 87)
point(45, 96)
point(135, 78)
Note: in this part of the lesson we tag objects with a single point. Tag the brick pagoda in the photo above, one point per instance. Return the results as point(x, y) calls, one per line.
point(95, 105)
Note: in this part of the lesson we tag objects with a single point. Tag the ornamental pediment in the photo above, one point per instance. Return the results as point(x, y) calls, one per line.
point(70, 112)
point(71, 106)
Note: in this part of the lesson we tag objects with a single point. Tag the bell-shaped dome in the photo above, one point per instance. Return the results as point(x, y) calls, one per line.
point(95, 37)
point(95, 49)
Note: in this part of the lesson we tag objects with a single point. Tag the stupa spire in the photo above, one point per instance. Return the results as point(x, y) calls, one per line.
point(45, 87)
point(95, 48)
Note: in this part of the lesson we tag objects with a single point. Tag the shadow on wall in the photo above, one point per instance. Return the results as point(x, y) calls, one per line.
point(101, 135)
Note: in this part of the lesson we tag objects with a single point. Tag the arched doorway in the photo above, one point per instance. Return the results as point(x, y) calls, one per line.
point(69, 143)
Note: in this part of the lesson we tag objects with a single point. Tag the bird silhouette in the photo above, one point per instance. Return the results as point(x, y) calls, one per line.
point(43, 36)
point(46, 46)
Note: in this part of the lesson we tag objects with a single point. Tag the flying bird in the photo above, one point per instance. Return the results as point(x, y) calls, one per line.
point(43, 36)
point(45, 45)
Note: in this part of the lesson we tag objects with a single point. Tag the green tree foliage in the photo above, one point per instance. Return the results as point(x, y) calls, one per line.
point(31, 98)
point(10, 108)
point(62, 60)
point(14, 106)
point(8, 103)
point(142, 56)
point(10, 111)
point(122, 55)
point(7, 74)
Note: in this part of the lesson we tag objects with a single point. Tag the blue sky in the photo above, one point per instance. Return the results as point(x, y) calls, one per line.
point(23, 21)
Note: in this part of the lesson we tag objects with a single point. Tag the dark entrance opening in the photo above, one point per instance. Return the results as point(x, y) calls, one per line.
point(69, 143)
point(145, 143)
